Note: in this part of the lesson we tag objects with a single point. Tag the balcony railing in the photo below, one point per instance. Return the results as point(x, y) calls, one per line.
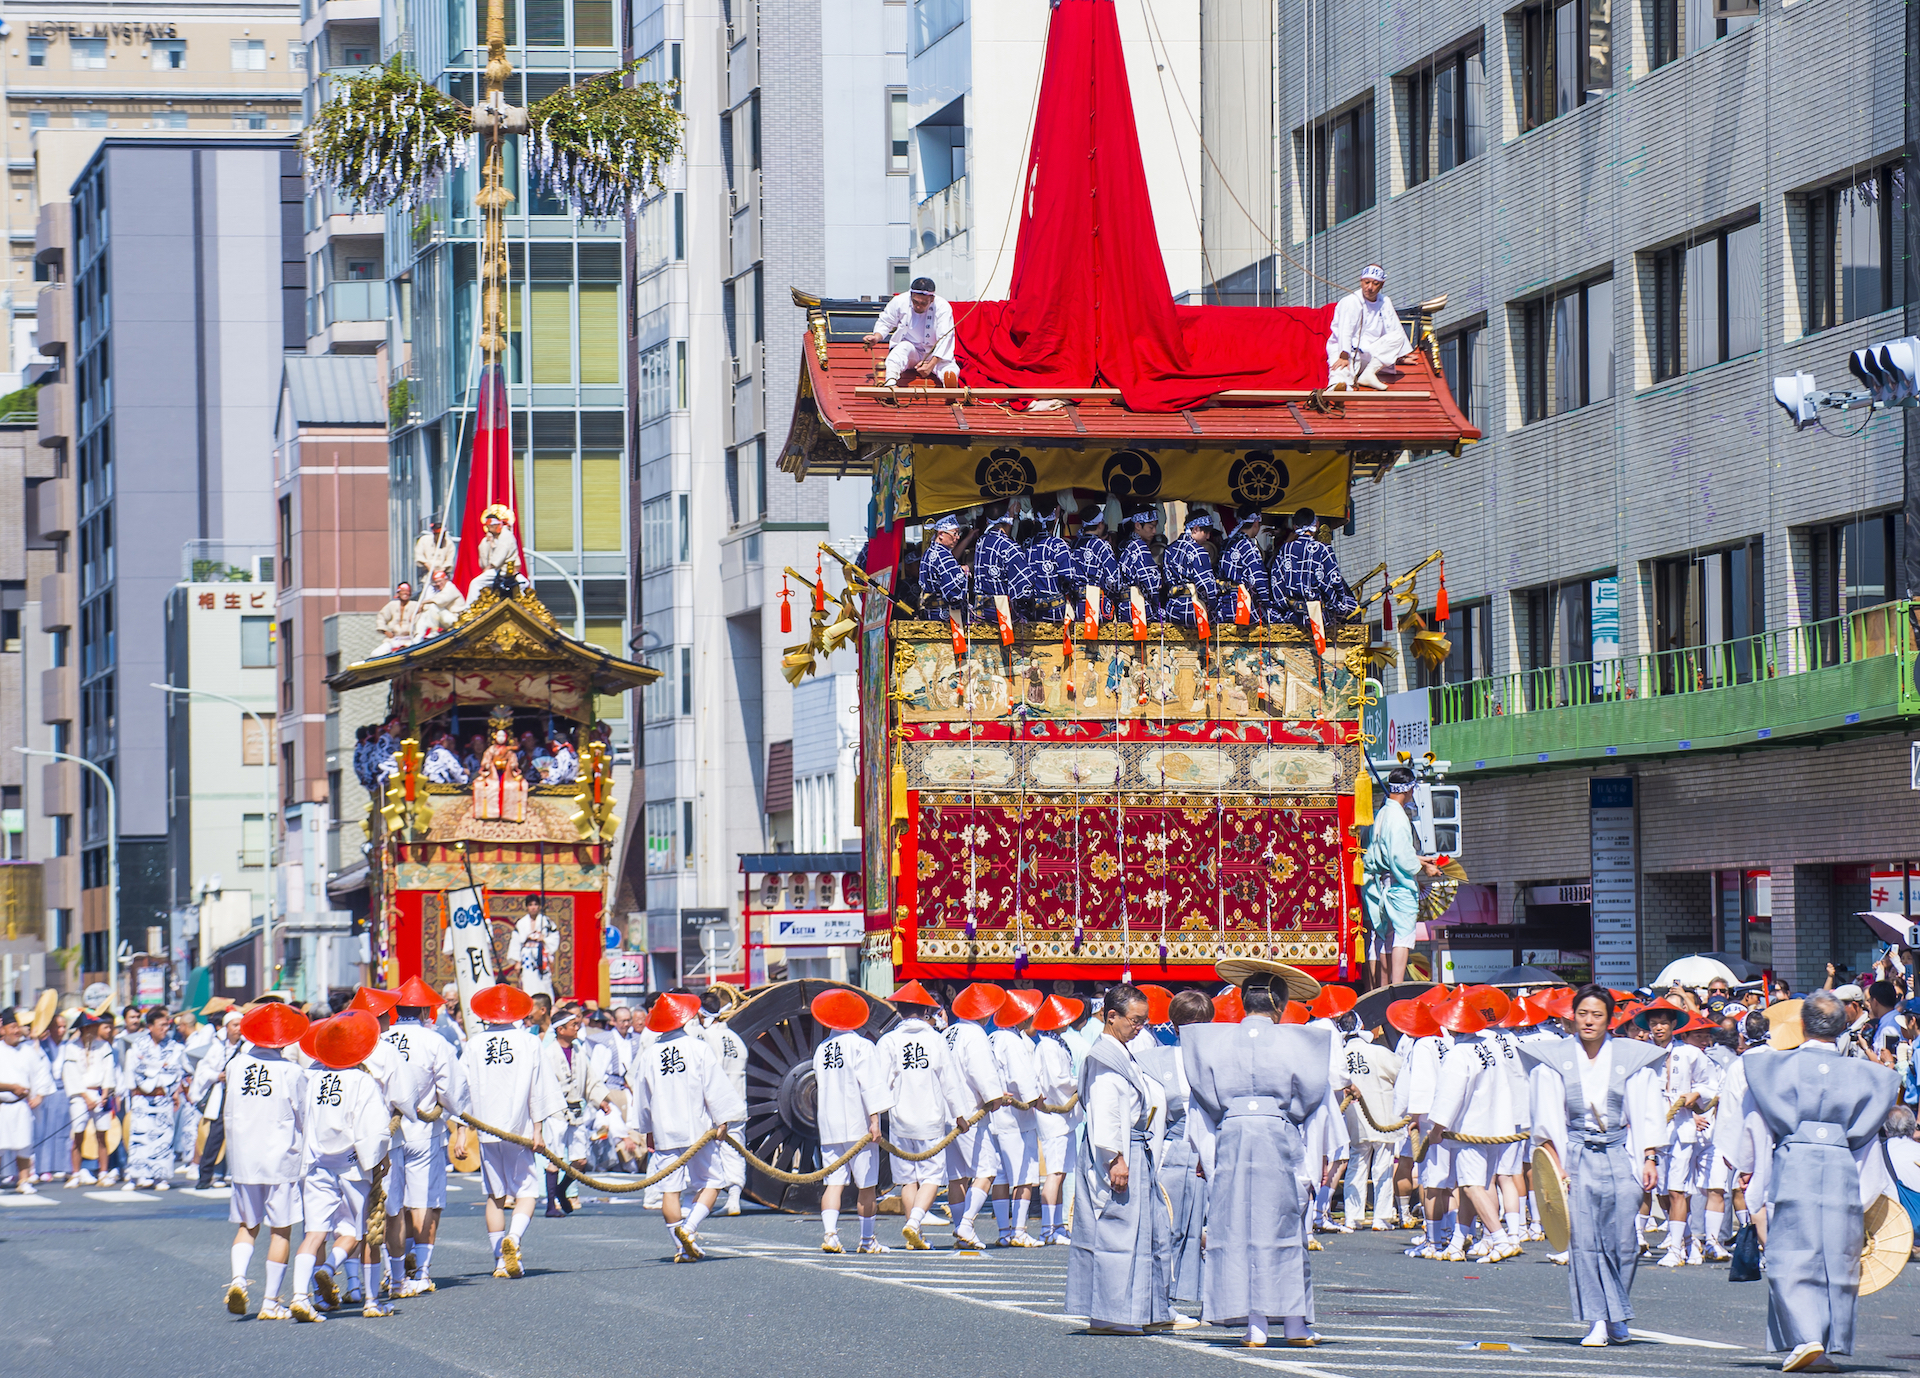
point(1834, 675)
point(356, 301)
point(942, 215)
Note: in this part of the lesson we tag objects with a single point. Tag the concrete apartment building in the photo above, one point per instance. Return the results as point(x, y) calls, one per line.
point(161, 475)
point(794, 175)
point(28, 929)
point(198, 68)
point(1639, 219)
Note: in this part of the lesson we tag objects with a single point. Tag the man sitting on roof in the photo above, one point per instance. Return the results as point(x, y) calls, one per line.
point(395, 621)
point(920, 326)
point(1367, 338)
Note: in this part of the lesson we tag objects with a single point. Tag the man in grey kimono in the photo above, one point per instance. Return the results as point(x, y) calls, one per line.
point(1818, 1115)
point(1253, 1085)
point(1117, 1265)
point(1185, 1190)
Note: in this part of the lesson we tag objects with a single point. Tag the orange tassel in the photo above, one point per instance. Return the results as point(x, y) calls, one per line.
point(819, 585)
point(786, 609)
point(1440, 599)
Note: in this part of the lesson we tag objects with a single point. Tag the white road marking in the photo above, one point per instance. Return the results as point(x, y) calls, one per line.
point(13, 1198)
point(210, 1194)
point(1661, 1337)
point(122, 1194)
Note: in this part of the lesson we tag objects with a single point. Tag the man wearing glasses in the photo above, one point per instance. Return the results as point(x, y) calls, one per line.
point(1118, 1265)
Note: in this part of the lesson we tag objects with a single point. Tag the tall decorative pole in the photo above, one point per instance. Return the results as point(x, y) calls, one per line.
point(494, 197)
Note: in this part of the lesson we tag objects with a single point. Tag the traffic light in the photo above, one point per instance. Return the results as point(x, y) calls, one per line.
point(1796, 392)
point(1890, 369)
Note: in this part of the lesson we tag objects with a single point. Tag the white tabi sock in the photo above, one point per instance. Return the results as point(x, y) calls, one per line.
point(423, 1259)
point(1002, 1210)
point(337, 1259)
point(1716, 1221)
point(1049, 1217)
point(1449, 1226)
point(1533, 1206)
point(518, 1225)
point(353, 1275)
point(1256, 1328)
point(1640, 1223)
point(867, 1222)
point(1682, 1234)
point(276, 1274)
point(830, 1222)
point(242, 1259)
point(1294, 1327)
point(694, 1217)
point(1020, 1209)
point(976, 1199)
point(1516, 1224)
point(303, 1274)
point(494, 1237)
point(1404, 1205)
point(396, 1269)
point(914, 1217)
point(1743, 1218)
point(1322, 1198)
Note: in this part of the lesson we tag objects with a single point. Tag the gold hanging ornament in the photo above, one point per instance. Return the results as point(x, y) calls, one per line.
point(406, 809)
point(595, 820)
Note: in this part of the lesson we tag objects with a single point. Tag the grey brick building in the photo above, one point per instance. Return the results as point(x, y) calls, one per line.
point(1640, 214)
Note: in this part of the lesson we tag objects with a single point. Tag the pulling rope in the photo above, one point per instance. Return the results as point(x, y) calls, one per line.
point(720, 1132)
point(1353, 1097)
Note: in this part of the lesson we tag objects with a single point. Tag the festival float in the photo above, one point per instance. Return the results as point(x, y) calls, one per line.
point(1097, 801)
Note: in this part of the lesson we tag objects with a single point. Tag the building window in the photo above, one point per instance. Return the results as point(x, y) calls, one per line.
point(249, 121)
point(1566, 350)
point(1856, 233)
point(256, 643)
point(253, 839)
point(256, 734)
point(169, 54)
point(1571, 624)
point(899, 276)
point(1707, 301)
point(173, 119)
point(660, 851)
point(296, 55)
point(1691, 24)
point(1470, 657)
point(92, 119)
point(746, 482)
point(1337, 165)
point(1463, 364)
point(1566, 57)
point(36, 52)
point(249, 54)
point(656, 533)
point(88, 54)
point(657, 699)
point(1852, 566)
point(286, 671)
point(656, 384)
point(897, 127)
point(1445, 113)
point(37, 120)
point(1705, 607)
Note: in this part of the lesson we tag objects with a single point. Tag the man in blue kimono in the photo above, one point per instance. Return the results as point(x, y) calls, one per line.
point(943, 581)
point(1189, 571)
point(999, 569)
point(1094, 565)
point(1138, 570)
point(1243, 570)
point(1053, 593)
point(1305, 571)
point(1392, 894)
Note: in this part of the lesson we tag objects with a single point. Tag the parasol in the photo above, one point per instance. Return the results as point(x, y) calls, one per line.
point(1744, 971)
point(1694, 972)
point(1887, 1246)
point(1897, 929)
point(1372, 1007)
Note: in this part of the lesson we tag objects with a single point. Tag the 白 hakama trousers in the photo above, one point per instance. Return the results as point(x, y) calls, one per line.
point(1117, 1265)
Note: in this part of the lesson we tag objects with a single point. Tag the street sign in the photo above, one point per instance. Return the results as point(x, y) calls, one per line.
point(817, 928)
point(1913, 765)
point(1616, 948)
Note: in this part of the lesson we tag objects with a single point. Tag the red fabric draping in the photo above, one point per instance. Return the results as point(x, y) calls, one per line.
point(489, 480)
point(1089, 304)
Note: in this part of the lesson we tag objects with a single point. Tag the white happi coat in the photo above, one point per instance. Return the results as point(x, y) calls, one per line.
point(928, 1093)
point(433, 1078)
point(1474, 1093)
point(680, 1092)
point(731, 1049)
point(1367, 331)
point(347, 1121)
point(22, 1065)
point(1688, 1071)
point(1019, 1066)
point(507, 1082)
point(265, 1117)
point(973, 1055)
point(1373, 1072)
point(850, 1083)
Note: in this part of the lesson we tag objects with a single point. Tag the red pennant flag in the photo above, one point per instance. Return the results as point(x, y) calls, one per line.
point(1139, 610)
point(1201, 622)
point(1317, 617)
point(1242, 605)
point(959, 638)
point(489, 480)
point(1004, 617)
point(1092, 630)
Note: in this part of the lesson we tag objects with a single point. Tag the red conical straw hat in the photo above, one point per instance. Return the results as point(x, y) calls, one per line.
point(416, 994)
point(1433, 997)
point(345, 1040)
point(500, 1004)
point(913, 993)
point(1057, 1012)
point(1227, 1008)
point(1333, 1000)
point(978, 1001)
point(273, 1025)
point(1019, 1005)
point(840, 1009)
point(1557, 1002)
point(1461, 1013)
point(672, 1012)
point(1413, 1019)
point(374, 1001)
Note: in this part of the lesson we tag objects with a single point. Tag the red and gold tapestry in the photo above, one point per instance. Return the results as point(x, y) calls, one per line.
point(1168, 878)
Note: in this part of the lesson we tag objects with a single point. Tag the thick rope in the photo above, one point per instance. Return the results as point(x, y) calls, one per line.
point(1366, 1112)
point(721, 1133)
point(1438, 1134)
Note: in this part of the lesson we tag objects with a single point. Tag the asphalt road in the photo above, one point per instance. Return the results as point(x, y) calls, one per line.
point(119, 1282)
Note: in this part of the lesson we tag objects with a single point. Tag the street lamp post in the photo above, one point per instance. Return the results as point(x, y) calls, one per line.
point(266, 818)
point(113, 857)
point(579, 602)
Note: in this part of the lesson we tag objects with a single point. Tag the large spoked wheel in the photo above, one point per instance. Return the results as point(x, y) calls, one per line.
point(782, 1128)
